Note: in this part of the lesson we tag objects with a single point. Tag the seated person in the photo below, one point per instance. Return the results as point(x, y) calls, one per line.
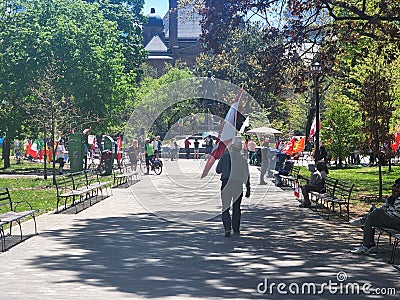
point(315, 184)
point(285, 170)
point(386, 216)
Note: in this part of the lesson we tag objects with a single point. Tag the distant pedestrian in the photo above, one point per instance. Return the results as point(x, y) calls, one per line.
point(196, 148)
point(234, 172)
point(60, 152)
point(149, 154)
point(264, 161)
point(252, 151)
point(187, 148)
point(209, 145)
point(133, 152)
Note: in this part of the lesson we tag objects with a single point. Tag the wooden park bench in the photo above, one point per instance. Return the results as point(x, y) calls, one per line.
point(125, 175)
point(327, 193)
point(290, 179)
point(78, 187)
point(340, 197)
point(9, 213)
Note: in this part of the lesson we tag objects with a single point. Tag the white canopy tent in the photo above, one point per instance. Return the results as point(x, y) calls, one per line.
point(264, 131)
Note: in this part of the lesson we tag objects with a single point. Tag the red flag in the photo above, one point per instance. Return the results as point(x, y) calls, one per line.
point(30, 150)
point(299, 145)
point(396, 143)
point(119, 148)
point(314, 128)
point(288, 149)
point(233, 122)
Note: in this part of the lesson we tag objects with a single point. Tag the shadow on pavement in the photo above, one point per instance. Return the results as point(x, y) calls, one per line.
point(148, 257)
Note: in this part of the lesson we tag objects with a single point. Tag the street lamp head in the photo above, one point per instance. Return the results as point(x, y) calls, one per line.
point(316, 67)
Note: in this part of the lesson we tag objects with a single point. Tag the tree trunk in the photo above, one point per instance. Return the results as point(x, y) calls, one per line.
point(380, 180)
point(52, 133)
point(6, 151)
point(45, 152)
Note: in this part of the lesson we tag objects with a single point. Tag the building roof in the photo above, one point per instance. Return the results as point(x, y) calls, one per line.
point(156, 45)
point(154, 19)
point(188, 23)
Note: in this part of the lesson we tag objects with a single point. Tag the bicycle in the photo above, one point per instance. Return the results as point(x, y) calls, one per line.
point(155, 165)
point(98, 163)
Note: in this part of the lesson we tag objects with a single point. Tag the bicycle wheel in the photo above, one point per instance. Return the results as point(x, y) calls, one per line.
point(157, 169)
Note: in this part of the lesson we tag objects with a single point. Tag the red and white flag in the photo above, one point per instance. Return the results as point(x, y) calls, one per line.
point(297, 189)
point(313, 128)
point(86, 131)
point(233, 122)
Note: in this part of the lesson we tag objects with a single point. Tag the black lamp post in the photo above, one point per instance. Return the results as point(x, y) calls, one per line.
point(316, 68)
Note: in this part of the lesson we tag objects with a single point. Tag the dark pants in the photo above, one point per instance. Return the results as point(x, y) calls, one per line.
point(187, 151)
point(252, 156)
point(305, 190)
point(60, 160)
point(378, 218)
point(231, 192)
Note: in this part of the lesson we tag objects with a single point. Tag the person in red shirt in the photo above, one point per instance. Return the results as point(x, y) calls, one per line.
point(187, 149)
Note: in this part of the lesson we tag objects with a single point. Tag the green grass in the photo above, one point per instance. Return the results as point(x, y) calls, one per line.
point(38, 192)
point(23, 167)
point(365, 179)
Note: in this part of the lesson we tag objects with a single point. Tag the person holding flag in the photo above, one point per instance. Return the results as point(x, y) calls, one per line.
point(233, 122)
point(234, 171)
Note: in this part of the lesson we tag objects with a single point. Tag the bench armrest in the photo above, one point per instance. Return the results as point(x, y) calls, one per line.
point(15, 204)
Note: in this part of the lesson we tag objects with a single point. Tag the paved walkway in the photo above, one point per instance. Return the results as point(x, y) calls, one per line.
point(167, 242)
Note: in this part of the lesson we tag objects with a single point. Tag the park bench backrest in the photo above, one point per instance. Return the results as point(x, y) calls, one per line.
point(294, 171)
point(330, 185)
point(91, 177)
point(5, 200)
point(343, 190)
point(64, 184)
point(79, 180)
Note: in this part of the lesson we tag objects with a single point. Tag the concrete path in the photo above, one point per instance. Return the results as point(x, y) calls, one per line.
point(163, 238)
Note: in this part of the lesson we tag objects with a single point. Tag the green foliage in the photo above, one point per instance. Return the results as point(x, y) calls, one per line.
point(97, 52)
point(148, 99)
point(238, 61)
point(340, 127)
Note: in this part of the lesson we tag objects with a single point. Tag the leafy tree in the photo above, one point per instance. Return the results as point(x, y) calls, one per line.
point(238, 62)
point(376, 103)
point(14, 74)
point(292, 28)
point(340, 127)
point(87, 49)
point(127, 15)
point(52, 112)
point(152, 105)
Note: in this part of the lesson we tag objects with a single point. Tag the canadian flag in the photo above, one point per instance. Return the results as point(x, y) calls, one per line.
point(313, 128)
point(233, 122)
point(297, 189)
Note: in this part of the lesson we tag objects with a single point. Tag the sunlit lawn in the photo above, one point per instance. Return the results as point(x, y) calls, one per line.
point(26, 182)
